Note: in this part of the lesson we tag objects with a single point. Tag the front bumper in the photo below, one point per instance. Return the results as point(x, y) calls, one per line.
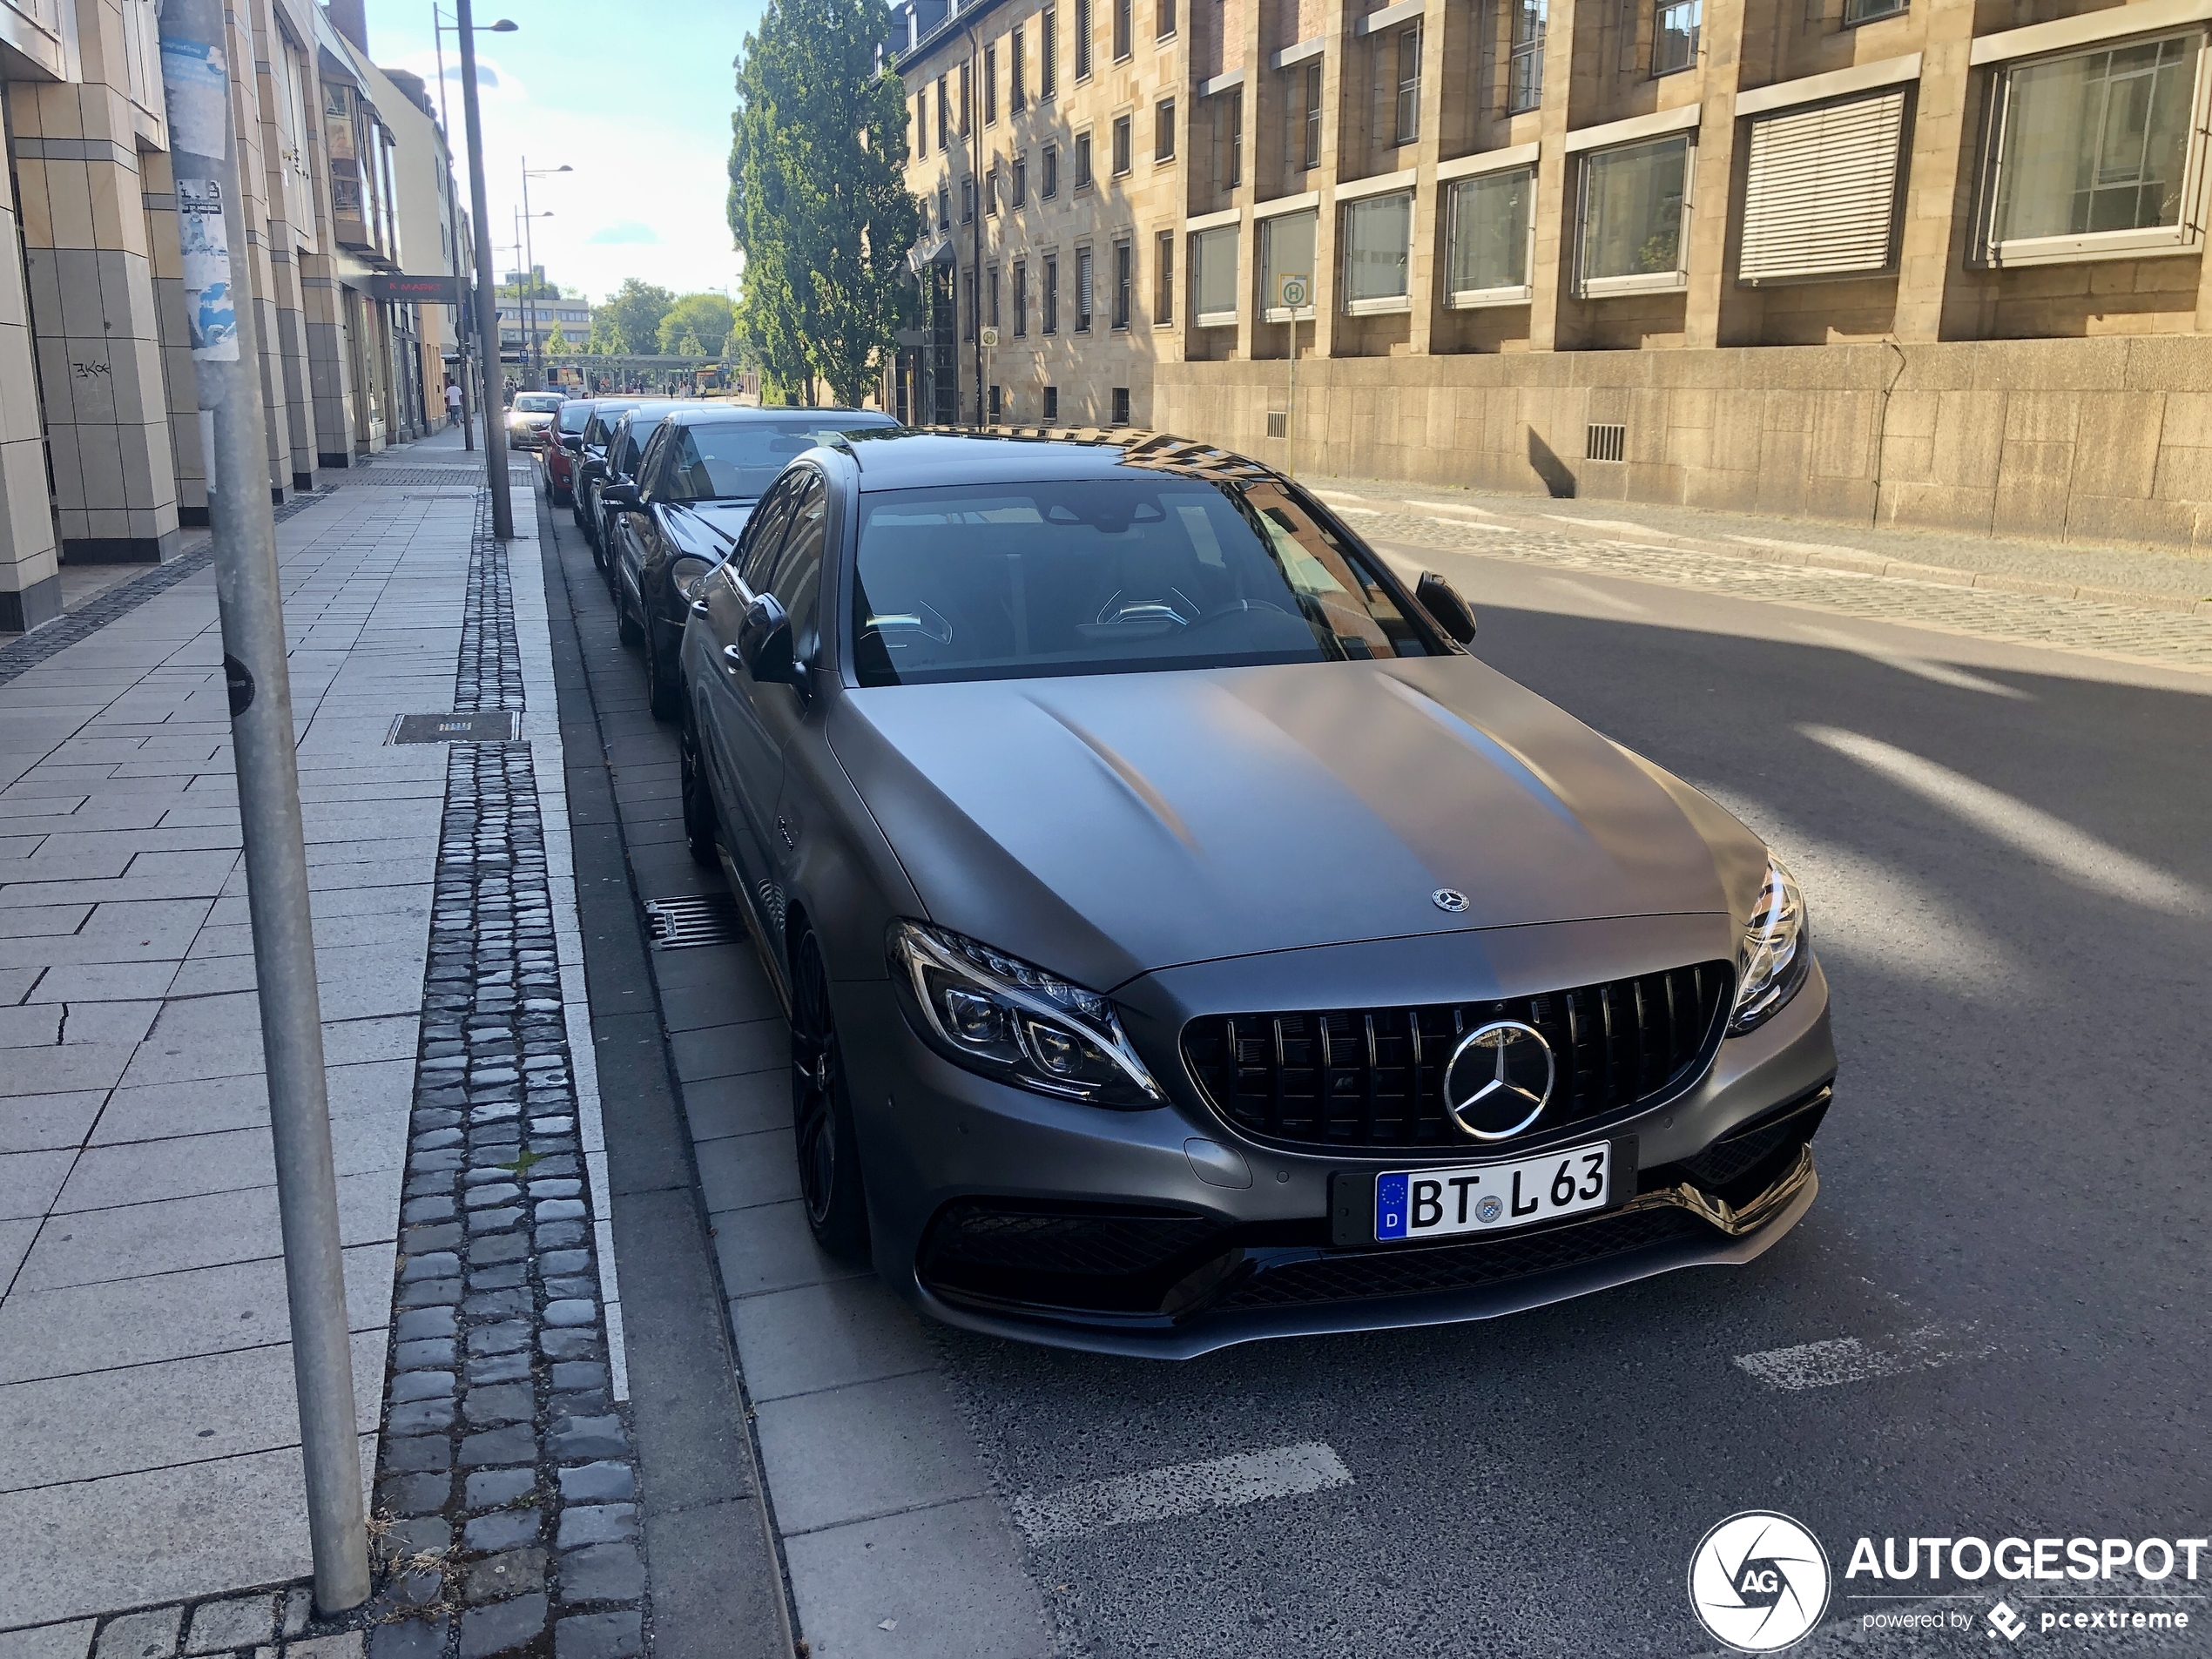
point(1002, 1171)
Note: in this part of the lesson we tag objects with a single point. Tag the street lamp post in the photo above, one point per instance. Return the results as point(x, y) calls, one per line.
point(529, 265)
point(439, 29)
point(502, 505)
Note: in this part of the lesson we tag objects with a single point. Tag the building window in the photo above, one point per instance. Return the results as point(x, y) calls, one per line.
point(968, 201)
point(1859, 11)
point(1303, 143)
point(1021, 181)
point(1047, 38)
point(944, 208)
point(1674, 37)
point(1213, 278)
point(1120, 145)
point(921, 122)
point(1820, 191)
point(1285, 249)
point(1048, 174)
point(1489, 249)
point(998, 406)
point(1635, 201)
point(1020, 298)
point(1050, 298)
point(1082, 38)
point(1525, 68)
point(991, 191)
point(2096, 157)
point(968, 330)
point(1017, 95)
point(991, 288)
point(1163, 129)
point(1228, 140)
point(1165, 20)
point(1121, 406)
point(1377, 237)
point(1082, 160)
point(1398, 88)
point(991, 84)
point(1164, 278)
point(944, 118)
point(1051, 404)
point(1123, 27)
point(967, 98)
point(1083, 292)
point(1124, 281)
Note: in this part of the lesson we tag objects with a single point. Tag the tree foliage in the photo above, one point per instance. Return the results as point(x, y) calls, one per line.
point(705, 318)
point(556, 343)
point(632, 317)
point(818, 202)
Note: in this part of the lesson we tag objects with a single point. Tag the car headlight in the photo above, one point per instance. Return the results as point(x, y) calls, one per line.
point(1776, 951)
point(992, 1013)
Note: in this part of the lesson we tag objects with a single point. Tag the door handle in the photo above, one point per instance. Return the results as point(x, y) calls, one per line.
point(733, 658)
point(700, 608)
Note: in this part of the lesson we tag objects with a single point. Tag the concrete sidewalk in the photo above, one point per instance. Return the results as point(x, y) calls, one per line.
point(148, 1426)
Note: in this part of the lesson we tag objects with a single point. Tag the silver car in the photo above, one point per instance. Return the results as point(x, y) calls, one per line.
point(1187, 941)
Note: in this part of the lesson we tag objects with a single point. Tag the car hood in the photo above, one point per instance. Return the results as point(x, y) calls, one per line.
point(712, 526)
point(1106, 825)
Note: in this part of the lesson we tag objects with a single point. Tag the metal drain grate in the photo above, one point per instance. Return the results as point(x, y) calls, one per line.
point(687, 923)
point(496, 725)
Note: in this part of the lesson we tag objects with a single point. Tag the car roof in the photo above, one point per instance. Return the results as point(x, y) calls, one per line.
point(692, 415)
point(905, 458)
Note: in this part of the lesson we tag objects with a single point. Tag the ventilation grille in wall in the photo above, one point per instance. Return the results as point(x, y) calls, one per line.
point(1278, 424)
point(1607, 443)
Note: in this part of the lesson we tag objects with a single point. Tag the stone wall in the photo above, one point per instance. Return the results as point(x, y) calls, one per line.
point(2102, 441)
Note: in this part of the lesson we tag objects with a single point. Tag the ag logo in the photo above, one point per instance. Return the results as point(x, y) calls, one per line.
point(1759, 1581)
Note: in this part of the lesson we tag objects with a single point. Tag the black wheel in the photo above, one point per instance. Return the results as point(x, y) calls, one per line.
point(663, 689)
point(829, 1154)
point(625, 624)
point(698, 798)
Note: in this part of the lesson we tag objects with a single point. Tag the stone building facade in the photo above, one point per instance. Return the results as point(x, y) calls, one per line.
point(1922, 262)
point(101, 436)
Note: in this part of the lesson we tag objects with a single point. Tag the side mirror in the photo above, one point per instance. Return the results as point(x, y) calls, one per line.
point(574, 446)
point(621, 494)
point(1441, 600)
point(763, 641)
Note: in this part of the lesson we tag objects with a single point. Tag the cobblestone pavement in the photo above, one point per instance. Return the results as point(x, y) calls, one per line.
point(1580, 538)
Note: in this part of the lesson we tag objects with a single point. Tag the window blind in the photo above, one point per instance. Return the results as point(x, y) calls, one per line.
point(1820, 198)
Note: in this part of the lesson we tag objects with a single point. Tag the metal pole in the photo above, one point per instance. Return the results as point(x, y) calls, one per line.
point(502, 506)
point(529, 275)
point(225, 374)
point(1289, 416)
point(452, 219)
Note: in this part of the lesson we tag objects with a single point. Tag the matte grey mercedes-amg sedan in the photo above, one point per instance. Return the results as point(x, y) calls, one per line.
point(1187, 941)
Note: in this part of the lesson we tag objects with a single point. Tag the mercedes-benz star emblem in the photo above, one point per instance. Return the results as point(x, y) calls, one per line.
point(1449, 898)
point(1498, 1079)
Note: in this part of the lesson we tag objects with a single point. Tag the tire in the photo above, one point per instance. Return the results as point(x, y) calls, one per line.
point(698, 797)
point(830, 1185)
point(626, 625)
point(664, 690)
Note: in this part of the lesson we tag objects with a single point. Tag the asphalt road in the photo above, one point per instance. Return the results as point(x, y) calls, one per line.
point(2007, 862)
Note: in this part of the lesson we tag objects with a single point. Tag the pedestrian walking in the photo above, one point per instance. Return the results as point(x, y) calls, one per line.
point(453, 402)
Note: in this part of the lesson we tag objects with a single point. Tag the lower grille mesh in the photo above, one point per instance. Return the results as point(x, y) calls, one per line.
point(1374, 1078)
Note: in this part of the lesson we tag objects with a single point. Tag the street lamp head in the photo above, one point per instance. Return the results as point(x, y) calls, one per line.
point(505, 26)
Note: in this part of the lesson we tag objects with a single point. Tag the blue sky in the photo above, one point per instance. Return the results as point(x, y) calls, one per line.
point(635, 96)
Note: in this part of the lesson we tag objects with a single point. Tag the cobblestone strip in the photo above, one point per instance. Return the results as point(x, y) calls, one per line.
point(489, 675)
point(506, 1499)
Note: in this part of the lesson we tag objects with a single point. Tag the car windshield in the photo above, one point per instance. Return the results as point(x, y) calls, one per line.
point(575, 416)
point(737, 459)
point(603, 419)
point(1108, 576)
point(537, 402)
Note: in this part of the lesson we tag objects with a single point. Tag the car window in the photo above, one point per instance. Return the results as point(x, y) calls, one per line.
point(764, 536)
point(574, 417)
point(737, 459)
point(796, 577)
point(1107, 576)
point(538, 402)
point(652, 464)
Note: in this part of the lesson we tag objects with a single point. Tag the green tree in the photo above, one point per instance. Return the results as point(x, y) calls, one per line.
point(556, 343)
point(705, 318)
point(818, 202)
point(632, 315)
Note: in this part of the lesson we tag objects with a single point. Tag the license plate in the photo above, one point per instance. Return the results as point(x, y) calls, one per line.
point(1492, 1197)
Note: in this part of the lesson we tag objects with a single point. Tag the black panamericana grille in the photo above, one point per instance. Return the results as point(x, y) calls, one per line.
point(1374, 1078)
point(1091, 1257)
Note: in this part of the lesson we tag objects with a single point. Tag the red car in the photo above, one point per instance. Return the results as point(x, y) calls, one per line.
point(569, 422)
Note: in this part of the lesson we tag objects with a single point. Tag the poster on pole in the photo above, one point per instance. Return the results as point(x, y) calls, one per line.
point(211, 306)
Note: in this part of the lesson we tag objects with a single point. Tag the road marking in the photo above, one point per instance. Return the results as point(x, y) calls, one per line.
point(1337, 499)
point(1846, 1360)
point(1941, 673)
point(1597, 596)
point(1451, 506)
point(1618, 526)
point(1473, 524)
point(1180, 1489)
point(1364, 512)
point(2073, 852)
